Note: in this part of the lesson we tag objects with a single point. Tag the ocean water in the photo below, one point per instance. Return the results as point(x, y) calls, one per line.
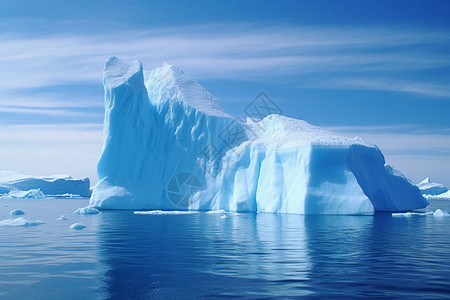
point(120, 255)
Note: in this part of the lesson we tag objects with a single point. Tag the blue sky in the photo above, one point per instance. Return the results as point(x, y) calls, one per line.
point(376, 69)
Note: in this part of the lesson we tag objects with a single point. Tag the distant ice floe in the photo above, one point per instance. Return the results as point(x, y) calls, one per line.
point(77, 226)
point(165, 212)
point(49, 186)
point(437, 213)
point(87, 211)
point(20, 222)
point(224, 217)
point(16, 212)
point(18, 194)
point(61, 218)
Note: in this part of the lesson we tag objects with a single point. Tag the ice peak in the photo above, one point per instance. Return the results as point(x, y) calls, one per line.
point(425, 181)
point(179, 87)
point(118, 71)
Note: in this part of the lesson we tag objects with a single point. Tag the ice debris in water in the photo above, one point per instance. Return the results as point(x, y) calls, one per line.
point(77, 226)
point(437, 213)
point(16, 212)
point(224, 217)
point(220, 211)
point(63, 217)
point(87, 211)
point(20, 222)
point(164, 212)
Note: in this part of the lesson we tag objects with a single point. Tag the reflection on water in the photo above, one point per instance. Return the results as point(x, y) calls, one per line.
point(203, 255)
point(257, 255)
point(125, 256)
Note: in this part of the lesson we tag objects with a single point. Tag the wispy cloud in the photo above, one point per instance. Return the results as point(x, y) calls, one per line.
point(51, 149)
point(237, 52)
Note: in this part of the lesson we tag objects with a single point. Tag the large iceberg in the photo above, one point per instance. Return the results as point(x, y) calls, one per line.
point(15, 185)
point(169, 145)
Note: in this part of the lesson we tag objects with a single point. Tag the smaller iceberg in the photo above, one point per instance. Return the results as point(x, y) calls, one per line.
point(16, 212)
point(86, 211)
point(20, 222)
point(61, 218)
point(77, 226)
point(440, 213)
point(427, 187)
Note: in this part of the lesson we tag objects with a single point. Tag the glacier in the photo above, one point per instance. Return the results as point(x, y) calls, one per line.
point(168, 145)
point(16, 185)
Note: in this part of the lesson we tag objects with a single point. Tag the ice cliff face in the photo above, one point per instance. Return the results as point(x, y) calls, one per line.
point(169, 145)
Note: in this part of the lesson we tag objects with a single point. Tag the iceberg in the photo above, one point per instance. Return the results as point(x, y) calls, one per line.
point(49, 185)
point(168, 145)
point(441, 213)
point(433, 191)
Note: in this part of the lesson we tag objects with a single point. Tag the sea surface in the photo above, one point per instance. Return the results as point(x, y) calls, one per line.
point(120, 255)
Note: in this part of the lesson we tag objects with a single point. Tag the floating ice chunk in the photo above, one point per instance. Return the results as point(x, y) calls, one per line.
point(77, 226)
point(440, 213)
point(87, 211)
point(63, 217)
point(164, 212)
point(407, 214)
point(224, 217)
point(16, 212)
point(220, 211)
point(20, 222)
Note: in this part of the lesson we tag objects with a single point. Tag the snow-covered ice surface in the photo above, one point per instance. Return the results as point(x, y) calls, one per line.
point(443, 196)
point(429, 188)
point(87, 211)
point(55, 185)
point(158, 133)
point(20, 222)
point(18, 194)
